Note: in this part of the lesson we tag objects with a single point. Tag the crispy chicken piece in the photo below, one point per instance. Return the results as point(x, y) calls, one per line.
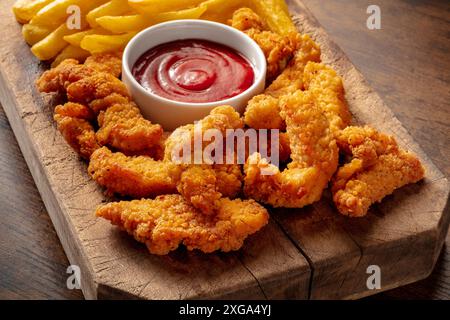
point(278, 49)
point(378, 167)
point(263, 111)
point(198, 185)
point(329, 93)
point(106, 62)
point(70, 71)
point(59, 78)
point(203, 185)
point(113, 99)
point(95, 84)
point(314, 158)
point(168, 221)
point(220, 118)
point(123, 127)
point(245, 19)
point(138, 176)
point(96, 87)
point(73, 121)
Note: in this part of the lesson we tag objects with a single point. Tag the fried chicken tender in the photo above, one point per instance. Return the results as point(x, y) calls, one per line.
point(278, 49)
point(138, 176)
point(106, 62)
point(59, 78)
point(169, 221)
point(198, 185)
point(96, 87)
point(73, 121)
point(263, 111)
point(123, 127)
point(328, 90)
point(95, 84)
point(70, 71)
point(203, 185)
point(314, 158)
point(378, 167)
point(220, 118)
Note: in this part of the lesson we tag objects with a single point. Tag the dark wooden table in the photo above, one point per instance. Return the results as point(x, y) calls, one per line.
point(407, 62)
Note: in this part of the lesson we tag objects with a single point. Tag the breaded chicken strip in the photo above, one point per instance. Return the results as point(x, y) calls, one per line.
point(123, 127)
point(263, 111)
point(59, 78)
point(328, 90)
point(106, 62)
point(143, 177)
point(96, 87)
point(138, 176)
point(70, 71)
point(220, 118)
point(73, 121)
point(314, 158)
point(95, 84)
point(168, 221)
point(203, 185)
point(278, 49)
point(378, 167)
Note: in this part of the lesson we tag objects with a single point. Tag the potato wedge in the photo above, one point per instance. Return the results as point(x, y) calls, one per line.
point(54, 43)
point(55, 13)
point(33, 34)
point(71, 52)
point(153, 7)
point(111, 8)
point(123, 24)
point(98, 43)
point(25, 10)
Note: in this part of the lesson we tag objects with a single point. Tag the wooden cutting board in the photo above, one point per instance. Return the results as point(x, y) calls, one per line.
point(309, 253)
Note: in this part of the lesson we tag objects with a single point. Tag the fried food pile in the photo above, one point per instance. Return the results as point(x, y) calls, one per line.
point(209, 205)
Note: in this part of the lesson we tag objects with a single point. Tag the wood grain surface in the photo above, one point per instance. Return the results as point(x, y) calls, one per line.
point(34, 264)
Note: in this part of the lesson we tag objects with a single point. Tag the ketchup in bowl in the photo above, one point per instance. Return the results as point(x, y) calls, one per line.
point(196, 71)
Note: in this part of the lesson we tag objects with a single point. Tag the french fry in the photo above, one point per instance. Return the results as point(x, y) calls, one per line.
point(111, 8)
point(54, 43)
point(276, 14)
point(55, 13)
point(222, 10)
point(153, 7)
point(33, 34)
point(97, 43)
point(76, 38)
point(25, 10)
point(71, 52)
point(123, 24)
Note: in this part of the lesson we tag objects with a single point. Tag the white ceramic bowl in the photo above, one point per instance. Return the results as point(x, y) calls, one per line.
point(172, 114)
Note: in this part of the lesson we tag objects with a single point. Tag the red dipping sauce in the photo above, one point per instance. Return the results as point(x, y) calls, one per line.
point(197, 71)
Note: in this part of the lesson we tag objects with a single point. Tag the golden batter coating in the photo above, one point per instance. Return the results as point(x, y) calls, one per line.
point(203, 184)
point(314, 156)
point(137, 176)
point(168, 221)
point(278, 49)
point(263, 111)
point(328, 90)
point(73, 121)
point(123, 127)
point(377, 168)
